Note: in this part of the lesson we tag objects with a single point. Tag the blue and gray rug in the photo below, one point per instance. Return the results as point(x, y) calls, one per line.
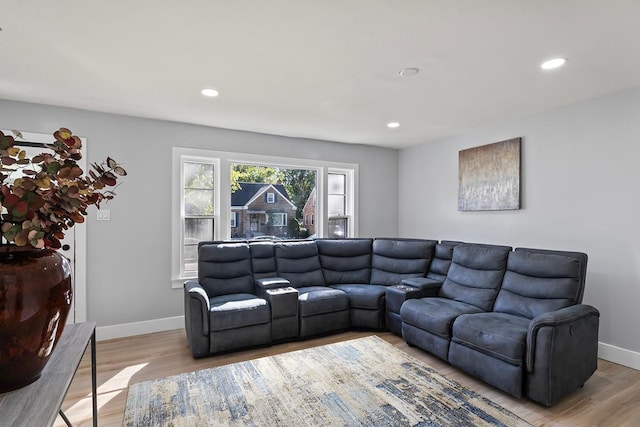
point(362, 382)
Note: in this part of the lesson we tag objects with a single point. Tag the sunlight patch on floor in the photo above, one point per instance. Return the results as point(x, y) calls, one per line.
point(121, 379)
point(81, 412)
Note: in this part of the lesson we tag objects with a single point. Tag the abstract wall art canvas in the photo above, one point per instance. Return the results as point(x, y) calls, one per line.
point(489, 177)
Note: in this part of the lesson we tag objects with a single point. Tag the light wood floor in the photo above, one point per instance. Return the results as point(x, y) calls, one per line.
point(611, 397)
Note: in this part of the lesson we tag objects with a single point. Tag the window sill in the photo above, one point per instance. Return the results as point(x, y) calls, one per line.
point(179, 282)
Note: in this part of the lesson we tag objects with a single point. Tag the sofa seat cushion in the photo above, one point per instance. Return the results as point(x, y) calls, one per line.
point(500, 335)
point(237, 311)
point(363, 296)
point(434, 315)
point(314, 300)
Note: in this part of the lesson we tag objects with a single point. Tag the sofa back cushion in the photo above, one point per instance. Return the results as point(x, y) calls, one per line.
point(263, 259)
point(395, 259)
point(476, 274)
point(299, 263)
point(225, 268)
point(536, 283)
point(581, 257)
point(345, 261)
point(441, 260)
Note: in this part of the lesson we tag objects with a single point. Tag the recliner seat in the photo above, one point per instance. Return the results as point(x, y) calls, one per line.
point(540, 290)
point(418, 287)
point(321, 309)
point(222, 311)
point(471, 286)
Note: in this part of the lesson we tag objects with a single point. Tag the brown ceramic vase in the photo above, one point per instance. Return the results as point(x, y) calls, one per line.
point(35, 298)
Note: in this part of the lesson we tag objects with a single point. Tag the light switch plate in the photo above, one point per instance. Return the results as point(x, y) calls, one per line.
point(103, 215)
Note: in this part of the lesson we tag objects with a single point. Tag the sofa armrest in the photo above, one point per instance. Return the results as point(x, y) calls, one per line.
point(196, 317)
point(423, 283)
point(566, 317)
point(562, 351)
point(272, 283)
point(267, 283)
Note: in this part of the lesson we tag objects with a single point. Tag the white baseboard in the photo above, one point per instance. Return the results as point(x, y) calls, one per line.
point(619, 355)
point(139, 328)
point(609, 352)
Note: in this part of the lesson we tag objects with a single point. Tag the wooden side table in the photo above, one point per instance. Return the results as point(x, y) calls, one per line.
point(39, 403)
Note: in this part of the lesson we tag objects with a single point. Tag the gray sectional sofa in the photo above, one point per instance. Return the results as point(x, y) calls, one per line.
point(512, 318)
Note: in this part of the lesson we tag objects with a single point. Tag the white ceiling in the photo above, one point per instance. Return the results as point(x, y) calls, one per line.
point(325, 69)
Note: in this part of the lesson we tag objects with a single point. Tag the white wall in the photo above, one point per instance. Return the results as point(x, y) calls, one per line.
point(129, 256)
point(580, 177)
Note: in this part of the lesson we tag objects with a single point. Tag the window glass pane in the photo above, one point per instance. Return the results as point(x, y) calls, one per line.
point(273, 201)
point(198, 202)
point(190, 257)
point(198, 175)
point(336, 183)
point(336, 205)
point(271, 197)
point(197, 230)
point(279, 219)
point(338, 228)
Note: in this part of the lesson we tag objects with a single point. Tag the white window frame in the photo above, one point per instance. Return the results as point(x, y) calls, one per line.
point(234, 219)
point(350, 207)
point(222, 162)
point(271, 197)
point(282, 215)
point(180, 157)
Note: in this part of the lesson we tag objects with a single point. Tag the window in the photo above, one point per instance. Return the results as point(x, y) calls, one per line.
point(198, 203)
point(204, 197)
point(338, 228)
point(277, 197)
point(337, 196)
point(271, 197)
point(278, 219)
point(195, 209)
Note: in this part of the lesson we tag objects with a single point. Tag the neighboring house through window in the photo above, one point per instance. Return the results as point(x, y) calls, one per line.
point(259, 207)
point(309, 211)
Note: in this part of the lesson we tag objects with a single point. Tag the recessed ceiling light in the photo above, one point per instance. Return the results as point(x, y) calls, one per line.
point(210, 92)
point(553, 63)
point(409, 72)
point(393, 125)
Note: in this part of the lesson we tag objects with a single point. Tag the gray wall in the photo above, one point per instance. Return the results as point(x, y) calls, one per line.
point(129, 256)
point(580, 179)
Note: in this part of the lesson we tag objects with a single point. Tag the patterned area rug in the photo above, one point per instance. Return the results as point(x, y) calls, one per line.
point(362, 382)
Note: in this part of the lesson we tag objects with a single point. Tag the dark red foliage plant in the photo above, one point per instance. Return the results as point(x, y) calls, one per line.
point(42, 196)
